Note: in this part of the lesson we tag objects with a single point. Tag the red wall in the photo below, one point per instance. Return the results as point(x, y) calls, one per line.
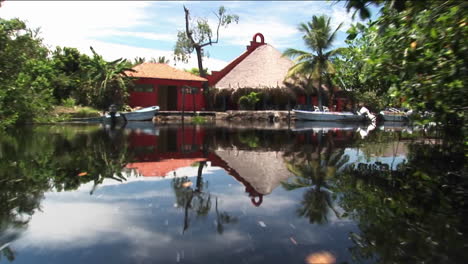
point(146, 99)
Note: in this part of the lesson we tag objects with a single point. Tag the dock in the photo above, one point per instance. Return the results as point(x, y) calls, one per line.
point(186, 113)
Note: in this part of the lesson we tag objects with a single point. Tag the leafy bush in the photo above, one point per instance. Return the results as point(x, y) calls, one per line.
point(247, 102)
point(69, 102)
point(198, 119)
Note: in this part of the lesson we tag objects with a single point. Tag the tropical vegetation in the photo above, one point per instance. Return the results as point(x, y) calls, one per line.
point(198, 34)
point(316, 65)
point(413, 55)
point(396, 60)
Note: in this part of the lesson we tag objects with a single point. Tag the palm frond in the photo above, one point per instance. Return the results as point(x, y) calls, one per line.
point(293, 53)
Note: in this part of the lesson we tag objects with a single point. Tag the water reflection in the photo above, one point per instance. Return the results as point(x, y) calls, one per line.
point(313, 168)
point(252, 195)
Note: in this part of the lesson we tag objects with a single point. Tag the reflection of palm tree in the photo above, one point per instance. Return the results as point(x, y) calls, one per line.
point(110, 158)
point(313, 171)
point(191, 199)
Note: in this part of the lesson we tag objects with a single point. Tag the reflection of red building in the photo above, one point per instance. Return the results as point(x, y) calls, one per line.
point(162, 85)
point(160, 154)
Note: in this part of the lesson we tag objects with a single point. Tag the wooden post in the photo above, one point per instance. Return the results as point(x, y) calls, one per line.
point(183, 103)
point(193, 99)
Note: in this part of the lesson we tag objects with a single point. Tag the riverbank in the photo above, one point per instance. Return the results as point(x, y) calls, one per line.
point(235, 116)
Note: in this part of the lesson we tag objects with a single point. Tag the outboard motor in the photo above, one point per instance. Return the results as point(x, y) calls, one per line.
point(368, 114)
point(112, 112)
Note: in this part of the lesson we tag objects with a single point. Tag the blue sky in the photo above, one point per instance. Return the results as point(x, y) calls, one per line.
point(148, 29)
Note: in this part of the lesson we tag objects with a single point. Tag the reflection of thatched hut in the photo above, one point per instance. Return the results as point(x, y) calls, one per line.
point(264, 171)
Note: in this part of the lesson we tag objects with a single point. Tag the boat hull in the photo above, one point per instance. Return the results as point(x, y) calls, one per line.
point(394, 118)
point(145, 114)
point(328, 116)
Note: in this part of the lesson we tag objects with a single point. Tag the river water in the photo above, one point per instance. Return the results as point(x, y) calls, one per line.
point(228, 194)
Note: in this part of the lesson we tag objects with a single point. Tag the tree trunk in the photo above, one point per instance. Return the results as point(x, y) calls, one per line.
point(198, 49)
point(320, 93)
point(200, 61)
point(199, 187)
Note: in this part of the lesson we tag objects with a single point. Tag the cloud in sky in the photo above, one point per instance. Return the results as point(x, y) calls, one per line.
point(148, 29)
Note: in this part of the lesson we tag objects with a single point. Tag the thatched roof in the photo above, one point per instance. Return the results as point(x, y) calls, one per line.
point(263, 68)
point(263, 170)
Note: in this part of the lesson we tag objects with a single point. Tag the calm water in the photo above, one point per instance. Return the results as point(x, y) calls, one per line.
point(206, 194)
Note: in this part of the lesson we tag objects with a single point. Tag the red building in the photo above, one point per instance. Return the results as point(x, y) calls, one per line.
point(169, 88)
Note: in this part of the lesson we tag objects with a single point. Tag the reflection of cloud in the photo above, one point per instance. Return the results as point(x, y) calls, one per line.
point(81, 224)
point(271, 205)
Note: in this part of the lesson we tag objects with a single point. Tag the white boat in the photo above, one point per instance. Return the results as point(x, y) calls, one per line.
point(143, 114)
point(394, 115)
point(317, 115)
point(328, 116)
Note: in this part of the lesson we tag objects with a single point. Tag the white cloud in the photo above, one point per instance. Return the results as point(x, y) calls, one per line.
point(79, 24)
point(339, 15)
point(138, 34)
point(82, 24)
point(71, 23)
point(275, 32)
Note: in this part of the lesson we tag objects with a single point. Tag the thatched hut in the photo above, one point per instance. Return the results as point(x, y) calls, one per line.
point(262, 68)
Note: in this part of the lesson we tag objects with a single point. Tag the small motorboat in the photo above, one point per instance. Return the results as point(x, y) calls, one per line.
point(144, 114)
point(317, 115)
point(394, 115)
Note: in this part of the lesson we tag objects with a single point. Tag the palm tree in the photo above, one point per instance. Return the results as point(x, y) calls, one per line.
point(162, 59)
point(318, 36)
point(108, 80)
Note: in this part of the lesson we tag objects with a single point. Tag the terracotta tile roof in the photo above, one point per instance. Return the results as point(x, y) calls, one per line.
point(162, 71)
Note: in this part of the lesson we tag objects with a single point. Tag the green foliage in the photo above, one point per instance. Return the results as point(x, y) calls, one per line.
point(198, 119)
point(70, 69)
point(270, 98)
point(162, 59)
point(419, 197)
point(25, 74)
point(250, 139)
point(371, 100)
point(198, 34)
point(413, 55)
point(196, 71)
point(248, 102)
point(318, 36)
point(69, 102)
point(33, 79)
